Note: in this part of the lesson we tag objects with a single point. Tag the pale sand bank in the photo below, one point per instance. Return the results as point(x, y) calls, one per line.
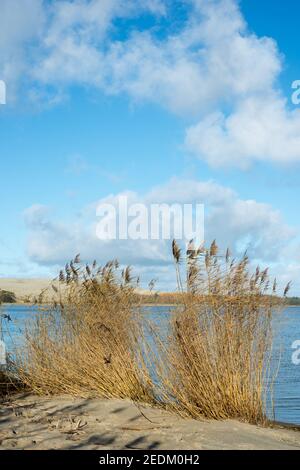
point(32, 288)
point(25, 287)
point(64, 423)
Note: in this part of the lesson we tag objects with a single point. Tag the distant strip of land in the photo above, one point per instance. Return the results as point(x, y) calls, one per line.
point(25, 289)
point(28, 290)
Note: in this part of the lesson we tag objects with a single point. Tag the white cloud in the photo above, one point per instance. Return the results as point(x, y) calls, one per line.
point(210, 60)
point(212, 69)
point(16, 24)
point(234, 222)
point(20, 24)
point(259, 129)
point(240, 224)
point(75, 43)
point(60, 40)
point(53, 242)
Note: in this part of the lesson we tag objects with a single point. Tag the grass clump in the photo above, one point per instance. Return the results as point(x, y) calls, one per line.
point(89, 343)
point(215, 362)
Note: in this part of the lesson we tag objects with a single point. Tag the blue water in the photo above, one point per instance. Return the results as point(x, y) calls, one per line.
point(287, 331)
point(287, 383)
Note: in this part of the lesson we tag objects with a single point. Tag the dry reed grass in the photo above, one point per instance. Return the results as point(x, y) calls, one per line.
point(215, 362)
point(88, 345)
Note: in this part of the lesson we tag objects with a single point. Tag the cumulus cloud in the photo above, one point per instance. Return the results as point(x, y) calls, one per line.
point(240, 224)
point(45, 42)
point(211, 69)
point(259, 129)
point(21, 24)
point(211, 61)
point(78, 36)
point(211, 58)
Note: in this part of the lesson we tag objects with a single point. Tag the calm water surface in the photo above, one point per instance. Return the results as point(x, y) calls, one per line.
point(287, 331)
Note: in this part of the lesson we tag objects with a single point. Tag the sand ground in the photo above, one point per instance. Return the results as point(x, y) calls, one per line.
point(30, 422)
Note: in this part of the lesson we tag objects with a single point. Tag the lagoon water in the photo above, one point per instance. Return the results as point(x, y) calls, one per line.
point(287, 331)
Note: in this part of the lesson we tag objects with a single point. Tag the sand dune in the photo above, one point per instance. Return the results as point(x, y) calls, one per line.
point(30, 288)
point(24, 287)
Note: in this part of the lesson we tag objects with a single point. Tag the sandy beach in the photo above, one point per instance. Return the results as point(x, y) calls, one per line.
point(30, 422)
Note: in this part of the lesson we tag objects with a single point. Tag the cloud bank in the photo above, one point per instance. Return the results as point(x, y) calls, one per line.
point(210, 68)
point(235, 222)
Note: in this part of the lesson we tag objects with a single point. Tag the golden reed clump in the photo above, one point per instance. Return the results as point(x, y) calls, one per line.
point(89, 343)
point(215, 361)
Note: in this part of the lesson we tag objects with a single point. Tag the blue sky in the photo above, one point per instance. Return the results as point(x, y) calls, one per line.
point(188, 100)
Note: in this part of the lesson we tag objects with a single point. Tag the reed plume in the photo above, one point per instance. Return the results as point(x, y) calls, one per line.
point(215, 361)
point(88, 344)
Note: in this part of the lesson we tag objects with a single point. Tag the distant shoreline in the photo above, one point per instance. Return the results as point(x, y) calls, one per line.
point(32, 304)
